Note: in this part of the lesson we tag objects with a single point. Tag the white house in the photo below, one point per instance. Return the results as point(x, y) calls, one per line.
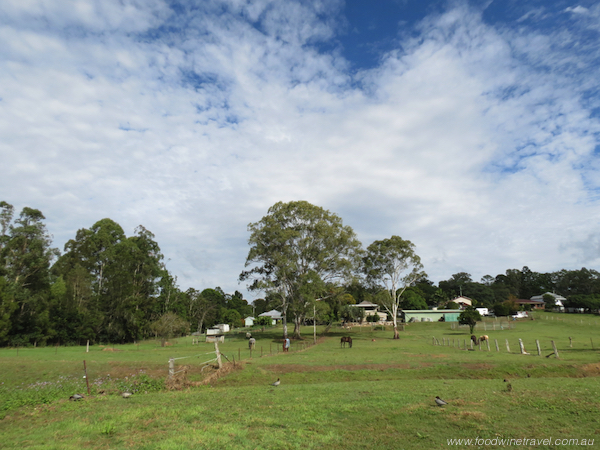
point(249, 321)
point(273, 314)
point(371, 309)
point(559, 300)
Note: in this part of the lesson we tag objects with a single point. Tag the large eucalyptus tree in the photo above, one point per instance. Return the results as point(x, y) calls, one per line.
point(391, 265)
point(296, 251)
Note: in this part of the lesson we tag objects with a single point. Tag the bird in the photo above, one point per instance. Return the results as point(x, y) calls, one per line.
point(126, 394)
point(276, 383)
point(440, 402)
point(76, 397)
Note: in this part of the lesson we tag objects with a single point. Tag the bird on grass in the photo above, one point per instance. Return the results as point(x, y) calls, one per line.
point(440, 402)
point(75, 397)
point(276, 383)
point(126, 394)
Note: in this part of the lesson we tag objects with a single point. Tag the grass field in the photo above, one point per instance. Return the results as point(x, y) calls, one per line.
point(377, 395)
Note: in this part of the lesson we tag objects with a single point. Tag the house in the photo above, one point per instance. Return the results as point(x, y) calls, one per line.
point(535, 304)
point(463, 301)
point(249, 321)
point(559, 300)
point(274, 315)
point(371, 309)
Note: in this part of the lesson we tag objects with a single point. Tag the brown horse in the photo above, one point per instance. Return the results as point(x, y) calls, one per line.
point(345, 339)
point(474, 339)
point(484, 338)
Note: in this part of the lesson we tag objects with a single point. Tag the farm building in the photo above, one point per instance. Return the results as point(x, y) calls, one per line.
point(249, 321)
point(430, 315)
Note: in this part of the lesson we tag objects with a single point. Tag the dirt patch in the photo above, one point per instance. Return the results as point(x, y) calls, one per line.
point(300, 368)
point(481, 366)
point(180, 380)
point(110, 349)
point(591, 370)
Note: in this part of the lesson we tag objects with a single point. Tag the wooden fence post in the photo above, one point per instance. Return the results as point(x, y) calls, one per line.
point(537, 343)
point(171, 367)
point(507, 346)
point(555, 349)
point(487, 341)
point(87, 382)
point(219, 353)
point(497, 348)
point(523, 352)
point(570, 342)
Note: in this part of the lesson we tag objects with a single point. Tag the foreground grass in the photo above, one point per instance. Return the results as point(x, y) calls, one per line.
point(377, 395)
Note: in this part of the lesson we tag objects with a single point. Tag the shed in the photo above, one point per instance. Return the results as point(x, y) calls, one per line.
point(249, 321)
point(430, 315)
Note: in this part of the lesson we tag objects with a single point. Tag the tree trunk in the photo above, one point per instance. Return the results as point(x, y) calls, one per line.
point(297, 323)
point(396, 334)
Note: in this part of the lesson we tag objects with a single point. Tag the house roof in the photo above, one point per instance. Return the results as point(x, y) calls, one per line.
point(274, 314)
point(366, 304)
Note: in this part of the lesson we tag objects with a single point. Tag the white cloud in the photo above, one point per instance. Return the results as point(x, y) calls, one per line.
point(468, 140)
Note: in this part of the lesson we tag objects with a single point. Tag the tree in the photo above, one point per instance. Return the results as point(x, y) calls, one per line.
point(25, 259)
point(469, 316)
point(294, 244)
point(391, 265)
point(169, 325)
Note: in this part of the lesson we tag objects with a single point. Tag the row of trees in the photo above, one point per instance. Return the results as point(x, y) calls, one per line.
point(305, 260)
point(109, 287)
point(105, 286)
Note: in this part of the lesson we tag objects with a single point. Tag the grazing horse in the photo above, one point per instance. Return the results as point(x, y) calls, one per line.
point(345, 339)
point(484, 338)
point(474, 339)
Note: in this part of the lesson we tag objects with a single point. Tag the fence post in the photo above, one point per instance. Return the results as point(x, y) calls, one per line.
point(537, 343)
point(87, 347)
point(523, 352)
point(555, 349)
point(487, 341)
point(570, 342)
point(171, 367)
point(507, 346)
point(218, 354)
point(87, 382)
point(497, 348)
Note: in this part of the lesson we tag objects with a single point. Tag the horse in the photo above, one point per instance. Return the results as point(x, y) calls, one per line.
point(474, 339)
point(484, 338)
point(345, 339)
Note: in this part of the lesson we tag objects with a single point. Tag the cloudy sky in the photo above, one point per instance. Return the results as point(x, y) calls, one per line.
point(469, 128)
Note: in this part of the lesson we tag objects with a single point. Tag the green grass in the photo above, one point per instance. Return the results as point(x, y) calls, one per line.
point(377, 395)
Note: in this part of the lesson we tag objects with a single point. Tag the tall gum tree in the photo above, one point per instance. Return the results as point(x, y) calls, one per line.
point(296, 242)
point(391, 265)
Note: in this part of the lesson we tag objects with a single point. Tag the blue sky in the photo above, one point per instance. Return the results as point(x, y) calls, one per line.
point(469, 128)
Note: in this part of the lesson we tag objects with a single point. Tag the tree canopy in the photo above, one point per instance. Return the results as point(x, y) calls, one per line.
point(297, 252)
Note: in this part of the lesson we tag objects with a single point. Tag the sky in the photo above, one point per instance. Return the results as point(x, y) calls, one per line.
point(470, 128)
